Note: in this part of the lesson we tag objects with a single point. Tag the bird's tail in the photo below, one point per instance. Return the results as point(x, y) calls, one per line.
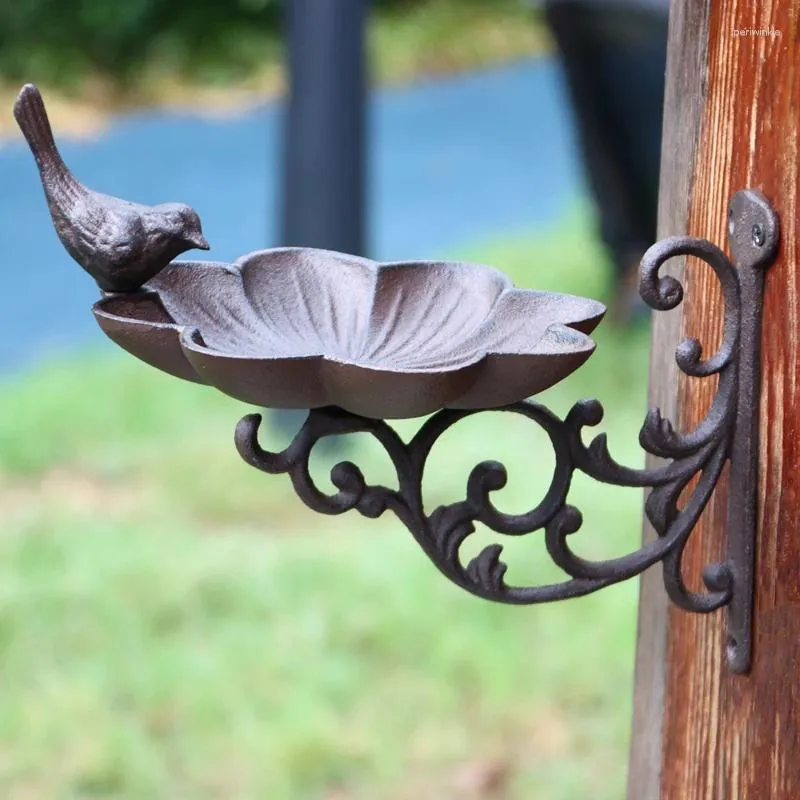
point(31, 116)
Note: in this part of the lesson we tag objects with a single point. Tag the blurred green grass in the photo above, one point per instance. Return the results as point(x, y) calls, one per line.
point(174, 624)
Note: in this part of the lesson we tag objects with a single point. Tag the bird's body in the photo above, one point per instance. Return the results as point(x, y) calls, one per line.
point(120, 244)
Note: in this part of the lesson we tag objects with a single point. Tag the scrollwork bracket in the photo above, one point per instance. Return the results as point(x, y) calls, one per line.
point(727, 434)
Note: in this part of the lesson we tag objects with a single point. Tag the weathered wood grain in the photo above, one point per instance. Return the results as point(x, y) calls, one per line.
point(684, 103)
point(724, 736)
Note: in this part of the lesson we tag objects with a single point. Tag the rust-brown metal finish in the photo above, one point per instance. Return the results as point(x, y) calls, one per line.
point(119, 243)
point(306, 328)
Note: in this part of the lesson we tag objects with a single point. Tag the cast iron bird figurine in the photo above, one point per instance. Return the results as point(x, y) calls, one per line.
point(120, 244)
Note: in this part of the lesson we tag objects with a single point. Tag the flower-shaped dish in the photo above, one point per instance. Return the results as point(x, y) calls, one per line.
point(305, 328)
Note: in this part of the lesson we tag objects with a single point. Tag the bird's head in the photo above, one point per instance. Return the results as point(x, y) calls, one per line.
point(182, 224)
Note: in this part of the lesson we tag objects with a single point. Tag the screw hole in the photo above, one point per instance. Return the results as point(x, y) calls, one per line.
point(758, 235)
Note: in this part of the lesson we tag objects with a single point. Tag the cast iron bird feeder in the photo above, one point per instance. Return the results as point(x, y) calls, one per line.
point(303, 328)
point(356, 342)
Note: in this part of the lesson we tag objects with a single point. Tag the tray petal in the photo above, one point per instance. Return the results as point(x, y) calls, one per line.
point(210, 296)
point(423, 313)
point(315, 381)
point(508, 377)
point(140, 324)
point(269, 382)
point(383, 394)
point(319, 300)
point(522, 318)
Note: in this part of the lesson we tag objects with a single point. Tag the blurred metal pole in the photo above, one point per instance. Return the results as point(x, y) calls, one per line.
point(324, 145)
point(324, 155)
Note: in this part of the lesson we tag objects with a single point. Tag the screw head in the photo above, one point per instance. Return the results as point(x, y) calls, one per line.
point(758, 235)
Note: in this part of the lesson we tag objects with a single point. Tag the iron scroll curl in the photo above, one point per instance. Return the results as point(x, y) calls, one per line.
point(701, 452)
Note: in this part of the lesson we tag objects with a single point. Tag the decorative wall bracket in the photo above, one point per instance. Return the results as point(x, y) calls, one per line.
point(358, 342)
point(729, 432)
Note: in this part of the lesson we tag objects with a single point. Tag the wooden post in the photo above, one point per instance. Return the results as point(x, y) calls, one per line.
point(731, 121)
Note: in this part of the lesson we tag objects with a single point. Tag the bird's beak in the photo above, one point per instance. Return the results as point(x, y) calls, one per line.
point(199, 241)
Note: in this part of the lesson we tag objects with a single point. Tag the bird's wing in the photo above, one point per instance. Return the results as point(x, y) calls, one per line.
point(118, 205)
point(115, 236)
